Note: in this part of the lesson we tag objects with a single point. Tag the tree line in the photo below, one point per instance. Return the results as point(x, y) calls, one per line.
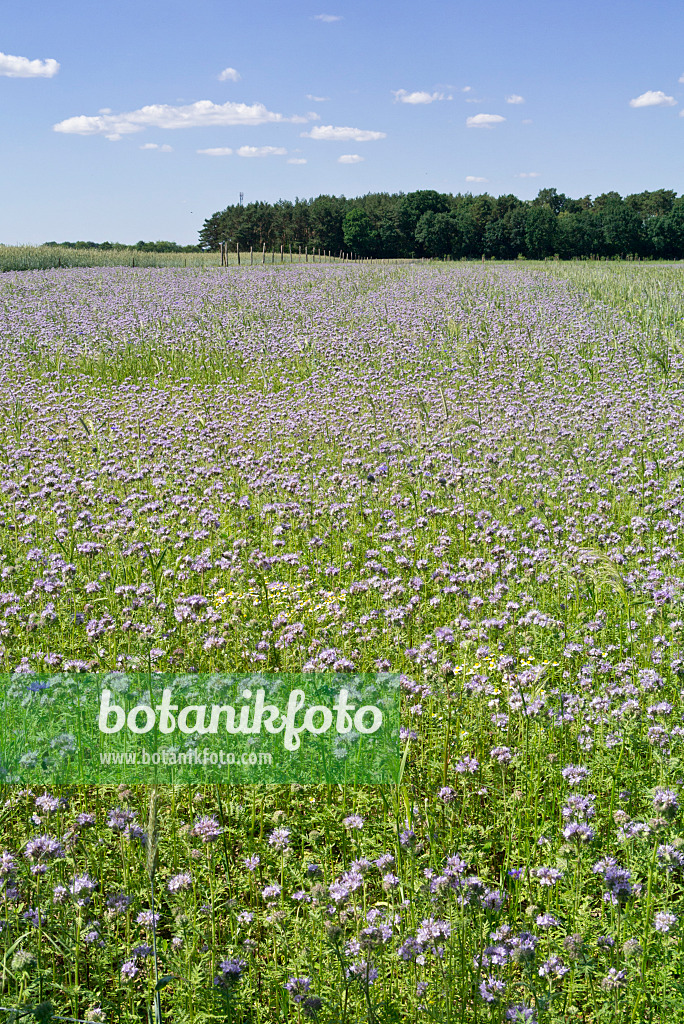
point(433, 224)
point(138, 247)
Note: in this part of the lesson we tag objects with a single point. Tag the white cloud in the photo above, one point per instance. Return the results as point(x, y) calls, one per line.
point(484, 120)
point(653, 98)
point(528, 174)
point(218, 151)
point(527, 120)
point(327, 18)
point(154, 145)
point(681, 78)
point(261, 151)
point(402, 96)
point(296, 160)
point(467, 88)
point(229, 75)
point(475, 177)
point(22, 67)
point(202, 114)
point(514, 98)
point(317, 99)
point(350, 158)
point(328, 133)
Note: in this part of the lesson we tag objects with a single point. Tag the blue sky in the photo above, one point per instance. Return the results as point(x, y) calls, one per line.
point(324, 97)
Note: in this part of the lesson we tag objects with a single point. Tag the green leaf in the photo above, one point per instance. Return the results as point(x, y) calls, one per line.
point(42, 1012)
point(166, 980)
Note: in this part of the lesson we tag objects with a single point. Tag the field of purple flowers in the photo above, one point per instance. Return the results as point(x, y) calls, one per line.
point(470, 475)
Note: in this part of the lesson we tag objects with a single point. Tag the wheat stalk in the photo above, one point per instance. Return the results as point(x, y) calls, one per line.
point(151, 864)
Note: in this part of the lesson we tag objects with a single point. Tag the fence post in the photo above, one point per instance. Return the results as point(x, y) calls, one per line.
point(300, 252)
point(237, 249)
point(263, 254)
point(290, 262)
point(282, 255)
point(251, 256)
point(273, 256)
point(306, 253)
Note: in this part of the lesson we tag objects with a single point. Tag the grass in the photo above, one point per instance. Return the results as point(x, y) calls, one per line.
point(45, 257)
point(648, 293)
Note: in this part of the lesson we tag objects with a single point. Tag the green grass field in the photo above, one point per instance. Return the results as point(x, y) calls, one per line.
point(472, 476)
point(44, 257)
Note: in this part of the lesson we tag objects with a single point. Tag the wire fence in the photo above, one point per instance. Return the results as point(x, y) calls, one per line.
point(48, 257)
